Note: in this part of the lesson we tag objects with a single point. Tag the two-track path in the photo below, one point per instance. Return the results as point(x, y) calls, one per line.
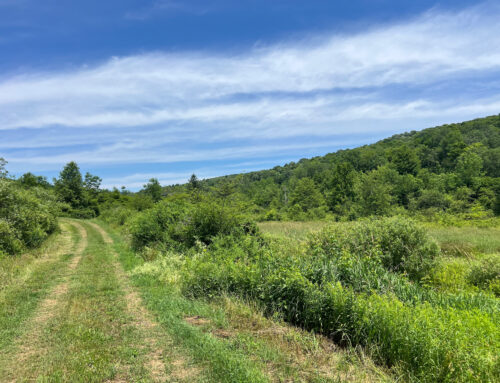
point(91, 325)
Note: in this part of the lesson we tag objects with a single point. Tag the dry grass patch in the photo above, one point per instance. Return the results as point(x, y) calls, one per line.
point(300, 355)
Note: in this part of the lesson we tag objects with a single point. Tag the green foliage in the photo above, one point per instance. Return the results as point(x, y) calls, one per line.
point(153, 189)
point(306, 195)
point(433, 199)
point(29, 180)
point(179, 224)
point(412, 171)
point(92, 184)
point(436, 341)
point(405, 160)
point(373, 195)
point(469, 165)
point(9, 241)
point(27, 217)
point(401, 245)
point(158, 225)
point(3, 170)
point(486, 274)
point(496, 206)
point(208, 220)
point(341, 186)
point(194, 183)
point(69, 186)
point(80, 197)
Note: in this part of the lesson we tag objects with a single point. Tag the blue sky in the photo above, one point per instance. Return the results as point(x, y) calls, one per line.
point(138, 89)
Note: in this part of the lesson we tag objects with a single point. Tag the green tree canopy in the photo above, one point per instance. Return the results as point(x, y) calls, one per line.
point(153, 189)
point(194, 182)
point(306, 195)
point(374, 195)
point(31, 180)
point(469, 165)
point(92, 183)
point(3, 170)
point(341, 184)
point(69, 185)
point(405, 160)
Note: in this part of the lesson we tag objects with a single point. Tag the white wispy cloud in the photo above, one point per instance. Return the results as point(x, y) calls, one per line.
point(153, 87)
point(132, 108)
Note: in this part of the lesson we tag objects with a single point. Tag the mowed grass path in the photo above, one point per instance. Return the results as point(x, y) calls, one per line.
point(72, 316)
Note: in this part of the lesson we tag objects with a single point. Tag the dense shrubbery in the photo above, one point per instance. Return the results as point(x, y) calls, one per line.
point(27, 216)
point(486, 274)
point(158, 225)
point(399, 244)
point(179, 224)
point(351, 284)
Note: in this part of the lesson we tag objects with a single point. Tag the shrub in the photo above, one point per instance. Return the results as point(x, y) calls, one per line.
point(9, 241)
point(486, 274)
point(177, 224)
point(157, 225)
point(400, 244)
point(433, 199)
point(208, 220)
point(27, 217)
point(117, 215)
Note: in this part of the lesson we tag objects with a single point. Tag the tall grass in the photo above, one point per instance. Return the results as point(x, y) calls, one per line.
point(356, 299)
point(290, 229)
point(464, 241)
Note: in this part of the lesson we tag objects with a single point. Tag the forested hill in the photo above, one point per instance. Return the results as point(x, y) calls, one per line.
point(454, 166)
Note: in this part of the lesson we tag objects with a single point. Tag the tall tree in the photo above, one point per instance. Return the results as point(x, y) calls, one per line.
point(69, 185)
point(373, 194)
point(306, 195)
point(3, 171)
point(405, 160)
point(341, 185)
point(153, 189)
point(194, 182)
point(470, 165)
point(92, 183)
point(31, 180)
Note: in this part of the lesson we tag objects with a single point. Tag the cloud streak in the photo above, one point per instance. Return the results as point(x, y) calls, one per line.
point(134, 108)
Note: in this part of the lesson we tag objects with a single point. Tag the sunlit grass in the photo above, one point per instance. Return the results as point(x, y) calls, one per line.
point(464, 241)
point(291, 229)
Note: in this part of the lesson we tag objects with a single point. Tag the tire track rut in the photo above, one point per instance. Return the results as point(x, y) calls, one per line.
point(142, 318)
point(29, 344)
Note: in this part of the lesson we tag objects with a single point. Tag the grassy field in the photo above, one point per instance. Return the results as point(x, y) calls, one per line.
point(84, 308)
point(454, 240)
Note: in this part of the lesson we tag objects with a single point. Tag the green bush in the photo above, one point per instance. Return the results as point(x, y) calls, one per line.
point(356, 299)
point(208, 220)
point(486, 274)
point(180, 225)
point(158, 225)
point(117, 215)
point(27, 216)
point(401, 245)
point(9, 241)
